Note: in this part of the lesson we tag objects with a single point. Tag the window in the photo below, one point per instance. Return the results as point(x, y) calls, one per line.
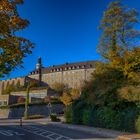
point(0, 103)
point(83, 66)
point(5, 103)
point(73, 67)
point(70, 68)
point(78, 67)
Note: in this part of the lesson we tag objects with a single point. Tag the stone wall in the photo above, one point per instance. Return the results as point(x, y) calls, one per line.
point(4, 113)
point(4, 100)
point(13, 81)
point(18, 112)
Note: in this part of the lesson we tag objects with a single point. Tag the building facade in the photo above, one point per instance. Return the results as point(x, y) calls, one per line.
point(71, 74)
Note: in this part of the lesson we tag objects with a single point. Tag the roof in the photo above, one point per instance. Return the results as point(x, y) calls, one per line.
point(67, 66)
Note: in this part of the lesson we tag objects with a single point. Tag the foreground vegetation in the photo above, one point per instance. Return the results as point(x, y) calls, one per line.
point(112, 98)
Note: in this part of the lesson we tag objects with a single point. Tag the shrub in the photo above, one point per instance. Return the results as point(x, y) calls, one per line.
point(128, 117)
point(68, 114)
point(77, 111)
point(54, 118)
point(137, 125)
point(21, 100)
point(35, 117)
point(108, 117)
point(86, 116)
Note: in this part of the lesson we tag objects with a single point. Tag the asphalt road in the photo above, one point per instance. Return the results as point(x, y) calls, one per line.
point(44, 132)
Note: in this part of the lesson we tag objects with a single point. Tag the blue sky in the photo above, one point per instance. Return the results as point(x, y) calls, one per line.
point(63, 30)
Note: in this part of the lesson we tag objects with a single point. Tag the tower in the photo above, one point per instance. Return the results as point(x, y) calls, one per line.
point(39, 68)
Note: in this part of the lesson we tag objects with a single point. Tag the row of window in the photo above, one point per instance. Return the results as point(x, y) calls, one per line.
point(66, 68)
point(70, 68)
point(68, 73)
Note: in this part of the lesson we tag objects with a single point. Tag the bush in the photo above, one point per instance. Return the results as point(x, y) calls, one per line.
point(137, 125)
point(108, 117)
point(105, 117)
point(35, 117)
point(128, 118)
point(86, 119)
point(21, 99)
point(54, 118)
point(77, 112)
point(68, 114)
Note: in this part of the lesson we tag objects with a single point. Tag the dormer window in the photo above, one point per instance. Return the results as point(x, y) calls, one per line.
point(69, 68)
point(89, 66)
point(83, 66)
point(73, 67)
point(78, 67)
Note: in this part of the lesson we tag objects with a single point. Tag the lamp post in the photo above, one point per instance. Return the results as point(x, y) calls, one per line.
point(50, 108)
point(27, 99)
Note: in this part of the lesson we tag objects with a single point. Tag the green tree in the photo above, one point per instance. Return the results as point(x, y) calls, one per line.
point(2, 88)
point(27, 101)
point(118, 33)
point(18, 84)
point(13, 48)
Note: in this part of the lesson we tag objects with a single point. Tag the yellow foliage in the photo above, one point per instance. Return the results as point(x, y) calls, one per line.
point(130, 93)
point(66, 98)
point(13, 48)
point(75, 93)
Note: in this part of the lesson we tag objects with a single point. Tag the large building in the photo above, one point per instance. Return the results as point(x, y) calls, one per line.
point(71, 74)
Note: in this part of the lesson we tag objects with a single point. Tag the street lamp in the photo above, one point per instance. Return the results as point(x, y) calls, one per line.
point(27, 98)
point(49, 108)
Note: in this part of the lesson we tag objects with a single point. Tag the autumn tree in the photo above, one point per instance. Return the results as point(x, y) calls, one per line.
point(119, 45)
point(21, 99)
point(75, 93)
point(118, 33)
point(59, 87)
point(13, 48)
point(66, 98)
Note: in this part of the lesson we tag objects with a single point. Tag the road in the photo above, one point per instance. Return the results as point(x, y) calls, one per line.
point(44, 132)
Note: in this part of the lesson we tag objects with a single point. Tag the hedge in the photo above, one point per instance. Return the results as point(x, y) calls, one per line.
point(127, 119)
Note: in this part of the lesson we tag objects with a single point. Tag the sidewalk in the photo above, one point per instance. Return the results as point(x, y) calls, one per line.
point(92, 130)
point(118, 135)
